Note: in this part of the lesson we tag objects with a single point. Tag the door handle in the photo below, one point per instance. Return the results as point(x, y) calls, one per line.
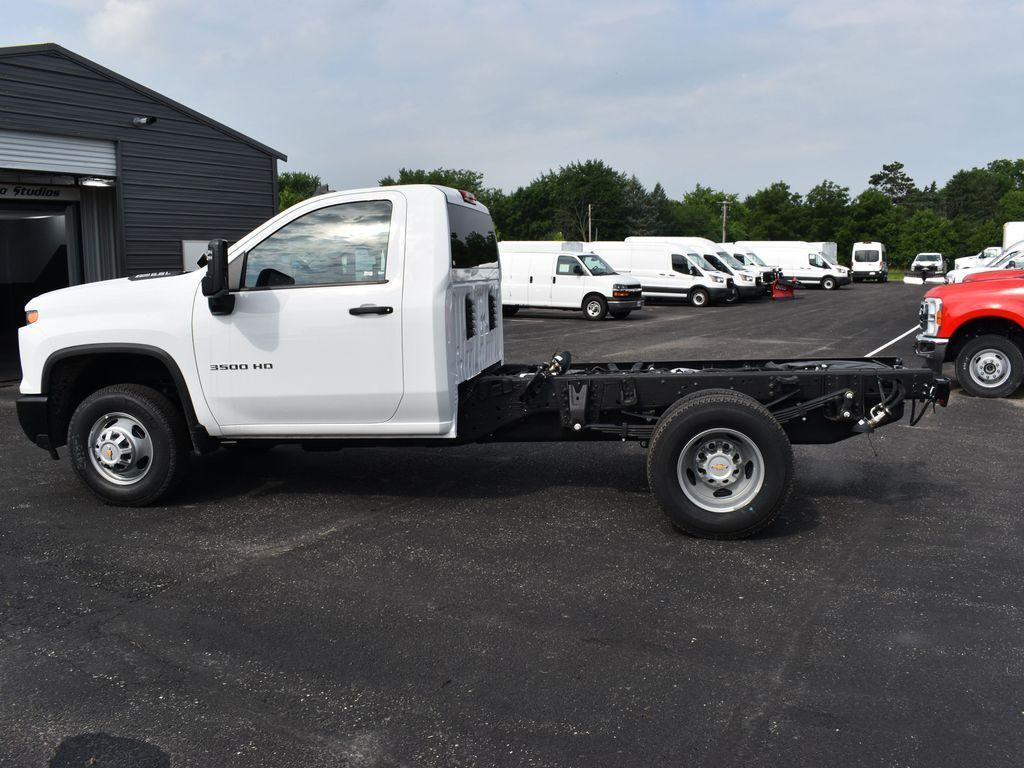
point(552, 278)
point(371, 309)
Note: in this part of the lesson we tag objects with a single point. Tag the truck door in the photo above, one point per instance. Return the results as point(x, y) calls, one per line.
point(568, 285)
point(315, 337)
point(539, 289)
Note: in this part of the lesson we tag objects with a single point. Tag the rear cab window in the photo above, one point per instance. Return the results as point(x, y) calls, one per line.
point(474, 246)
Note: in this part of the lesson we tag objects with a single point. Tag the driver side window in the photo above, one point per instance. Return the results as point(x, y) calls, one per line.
point(568, 265)
point(336, 245)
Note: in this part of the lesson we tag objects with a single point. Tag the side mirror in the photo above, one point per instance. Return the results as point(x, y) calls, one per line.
point(577, 270)
point(215, 282)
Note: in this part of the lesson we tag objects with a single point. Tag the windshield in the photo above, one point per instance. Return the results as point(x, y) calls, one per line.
point(927, 257)
point(732, 261)
point(717, 263)
point(700, 261)
point(1005, 258)
point(597, 265)
point(828, 259)
point(753, 258)
point(867, 255)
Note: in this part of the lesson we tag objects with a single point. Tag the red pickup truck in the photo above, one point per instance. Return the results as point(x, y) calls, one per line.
point(979, 325)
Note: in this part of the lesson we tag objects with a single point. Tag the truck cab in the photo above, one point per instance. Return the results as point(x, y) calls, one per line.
point(566, 280)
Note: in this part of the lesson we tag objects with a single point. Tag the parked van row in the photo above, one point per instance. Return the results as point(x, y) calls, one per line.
point(607, 277)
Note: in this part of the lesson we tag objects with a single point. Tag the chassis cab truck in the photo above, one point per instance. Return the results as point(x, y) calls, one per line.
point(373, 317)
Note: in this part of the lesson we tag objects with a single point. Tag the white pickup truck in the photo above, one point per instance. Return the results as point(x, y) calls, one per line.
point(373, 317)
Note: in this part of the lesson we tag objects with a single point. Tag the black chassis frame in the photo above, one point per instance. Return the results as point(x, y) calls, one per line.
point(816, 401)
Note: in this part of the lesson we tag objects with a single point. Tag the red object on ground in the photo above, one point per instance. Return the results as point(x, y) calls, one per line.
point(783, 289)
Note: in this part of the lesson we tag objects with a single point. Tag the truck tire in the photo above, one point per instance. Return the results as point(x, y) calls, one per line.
point(699, 297)
point(620, 314)
point(720, 465)
point(733, 297)
point(128, 444)
point(508, 311)
point(990, 366)
point(828, 283)
point(595, 307)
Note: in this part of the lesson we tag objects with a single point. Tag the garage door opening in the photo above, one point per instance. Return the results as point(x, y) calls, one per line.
point(38, 253)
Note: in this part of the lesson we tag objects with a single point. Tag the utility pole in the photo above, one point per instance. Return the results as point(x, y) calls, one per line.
point(590, 223)
point(725, 217)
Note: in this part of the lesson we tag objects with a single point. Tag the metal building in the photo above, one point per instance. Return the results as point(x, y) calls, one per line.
point(101, 177)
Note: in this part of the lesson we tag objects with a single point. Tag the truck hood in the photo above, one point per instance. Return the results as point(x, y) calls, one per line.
point(994, 274)
point(114, 296)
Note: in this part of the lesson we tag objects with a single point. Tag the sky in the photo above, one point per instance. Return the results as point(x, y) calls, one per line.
point(733, 94)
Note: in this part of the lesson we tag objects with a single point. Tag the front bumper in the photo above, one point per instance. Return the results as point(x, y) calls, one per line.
point(719, 292)
point(618, 304)
point(748, 291)
point(843, 280)
point(932, 349)
point(34, 417)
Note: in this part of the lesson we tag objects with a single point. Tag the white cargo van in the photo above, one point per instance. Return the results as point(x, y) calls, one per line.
point(747, 281)
point(666, 272)
point(799, 261)
point(557, 280)
point(870, 261)
point(669, 271)
point(769, 272)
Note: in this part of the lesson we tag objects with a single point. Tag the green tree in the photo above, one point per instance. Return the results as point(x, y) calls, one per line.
point(975, 193)
point(295, 186)
point(775, 213)
point(893, 181)
point(925, 231)
point(457, 178)
point(827, 207)
point(1011, 206)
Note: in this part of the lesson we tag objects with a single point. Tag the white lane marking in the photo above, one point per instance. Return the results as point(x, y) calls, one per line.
point(874, 352)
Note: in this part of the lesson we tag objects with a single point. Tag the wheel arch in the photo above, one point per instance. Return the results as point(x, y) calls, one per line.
point(980, 325)
point(71, 374)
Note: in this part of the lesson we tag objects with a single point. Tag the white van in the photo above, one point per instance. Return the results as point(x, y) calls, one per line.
point(666, 272)
point(799, 261)
point(669, 272)
point(747, 281)
point(752, 262)
point(870, 261)
point(556, 280)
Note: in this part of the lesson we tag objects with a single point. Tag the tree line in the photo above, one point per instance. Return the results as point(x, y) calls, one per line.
point(957, 219)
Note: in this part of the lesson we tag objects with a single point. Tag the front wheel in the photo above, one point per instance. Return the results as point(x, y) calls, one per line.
point(829, 283)
point(128, 444)
point(720, 465)
point(595, 307)
point(990, 366)
point(699, 297)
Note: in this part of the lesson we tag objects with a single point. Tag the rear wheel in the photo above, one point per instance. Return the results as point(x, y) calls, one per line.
point(620, 314)
point(129, 444)
point(990, 366)
point(595, 307)
point(699, 297)
point(828, 283)
point(720, 465)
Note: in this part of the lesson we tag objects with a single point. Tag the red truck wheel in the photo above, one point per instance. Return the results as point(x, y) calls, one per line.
point(990, 366)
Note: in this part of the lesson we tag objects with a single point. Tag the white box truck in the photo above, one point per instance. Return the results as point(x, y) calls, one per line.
point(1013, 233)
point(373, 318)
point(564, 280)
point(801, 262)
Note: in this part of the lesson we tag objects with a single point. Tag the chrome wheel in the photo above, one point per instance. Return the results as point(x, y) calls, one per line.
point(990, 368)
point(720, 470)
point(594, 308)
point(120, 448)
point(698, 299)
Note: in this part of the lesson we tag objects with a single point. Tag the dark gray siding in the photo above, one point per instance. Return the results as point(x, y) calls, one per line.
point(179, 179)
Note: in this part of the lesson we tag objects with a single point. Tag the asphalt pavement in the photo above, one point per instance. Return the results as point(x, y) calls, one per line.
point(529, 604)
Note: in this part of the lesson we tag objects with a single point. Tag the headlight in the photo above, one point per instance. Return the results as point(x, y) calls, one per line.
point(746, 278)
point(931, 316)
point(717, 279)
point(622, 287)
